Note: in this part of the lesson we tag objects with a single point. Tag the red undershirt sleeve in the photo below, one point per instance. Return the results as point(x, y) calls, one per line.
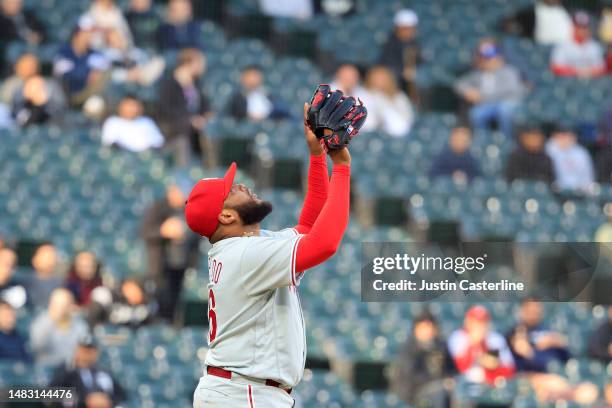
point(316, 193)
point(324, 238)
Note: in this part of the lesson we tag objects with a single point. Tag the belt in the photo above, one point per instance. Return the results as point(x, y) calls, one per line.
point(220, 372)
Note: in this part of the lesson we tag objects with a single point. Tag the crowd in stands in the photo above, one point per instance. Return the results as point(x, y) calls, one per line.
point(114, 47)
point(479, 354)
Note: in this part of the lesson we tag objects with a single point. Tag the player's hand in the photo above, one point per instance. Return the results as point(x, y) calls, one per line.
point(314, 145)
point(340, 156)
point(173, 229)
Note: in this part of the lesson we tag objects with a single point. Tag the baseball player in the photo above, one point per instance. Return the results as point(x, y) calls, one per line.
point(257, 342)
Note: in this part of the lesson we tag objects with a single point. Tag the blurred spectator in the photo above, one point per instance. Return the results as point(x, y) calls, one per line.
point(56, 331)
point(171, 247)
point(130, 64)
point(547, 22)
point(529, 161)
point(144, 23)
point(252, 101)
point(179, 30)
point(130, 306)
point(604, 232)
point(129, 129)
point(34, 99)
point(12, 344)
point(45, 279)
point(81, 68)
point(480, 354)
point(25, 67)
point(11, 290)
point(298, 9)
point(83, 374)
point(423, 364)
point(401, 52)
point(600, 344)
point(533, 345)
point(581, 56)
point(389, 109)
point(348, 80)
point(571, 162)
point(493, 89)
point(17, 24)
point(83, 277)
point(107, 17)
point(456, 161)
point(33, 106)
point(182, 106)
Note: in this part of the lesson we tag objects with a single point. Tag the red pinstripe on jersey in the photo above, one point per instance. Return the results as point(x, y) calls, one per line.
point(250, 393)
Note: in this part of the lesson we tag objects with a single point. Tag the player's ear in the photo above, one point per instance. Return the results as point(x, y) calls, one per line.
point(227, 216)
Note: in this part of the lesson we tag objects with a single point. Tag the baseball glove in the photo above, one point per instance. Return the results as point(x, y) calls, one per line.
point(331, 110)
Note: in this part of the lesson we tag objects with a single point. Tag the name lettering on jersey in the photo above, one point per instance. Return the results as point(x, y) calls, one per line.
point(214, 269)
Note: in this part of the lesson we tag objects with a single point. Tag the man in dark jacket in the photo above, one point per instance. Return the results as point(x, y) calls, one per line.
point(12, 344)
point(533, 345)
point(529, 161)
point(456, 161)
point(401, 53)
point(90, 381)
point(423, 364)
point(144, 23)
point(180, 29)
point(17, 24)
point(182, 106)
point(171, 247)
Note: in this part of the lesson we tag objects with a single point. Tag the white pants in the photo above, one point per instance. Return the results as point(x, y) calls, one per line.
point(216, 392)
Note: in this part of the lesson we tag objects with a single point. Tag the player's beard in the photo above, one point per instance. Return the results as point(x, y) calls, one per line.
point(253, 212)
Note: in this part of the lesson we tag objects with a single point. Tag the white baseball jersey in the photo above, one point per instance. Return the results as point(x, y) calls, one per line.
point(256, 326)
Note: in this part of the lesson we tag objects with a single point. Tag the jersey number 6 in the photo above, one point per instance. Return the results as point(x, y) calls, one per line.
point(212, 317)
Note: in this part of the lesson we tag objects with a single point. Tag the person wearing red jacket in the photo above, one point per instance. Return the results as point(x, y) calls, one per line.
point(480, 354)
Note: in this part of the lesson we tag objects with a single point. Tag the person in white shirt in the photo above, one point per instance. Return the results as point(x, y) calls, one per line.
point(553, 24)
point(107, 16)
point(572, 163)
point(129, 129)
point(298, 9)
point(389, 109)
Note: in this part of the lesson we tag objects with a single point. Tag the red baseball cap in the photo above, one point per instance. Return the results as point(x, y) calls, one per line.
point(479, 313)
point(205, 202)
